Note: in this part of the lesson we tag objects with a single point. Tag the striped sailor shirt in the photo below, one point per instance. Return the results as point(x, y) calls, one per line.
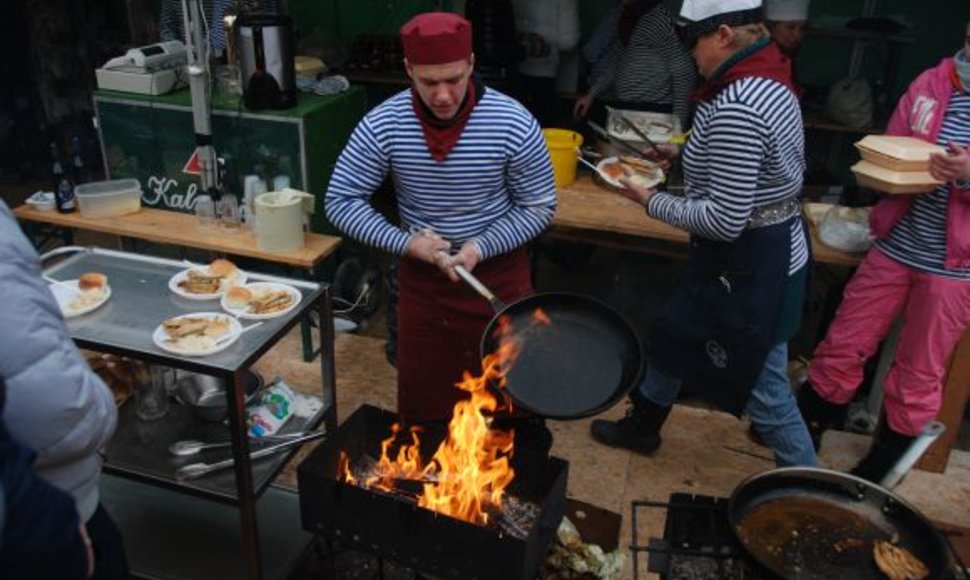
point(495, 187)
point(746, 150)
point(652, 68)
point(919, 239)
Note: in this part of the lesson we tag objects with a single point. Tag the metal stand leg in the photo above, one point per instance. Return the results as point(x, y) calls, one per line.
point(251, 556)
point(327, 364)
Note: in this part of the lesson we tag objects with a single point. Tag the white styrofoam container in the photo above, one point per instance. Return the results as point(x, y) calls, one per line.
point(100, 199)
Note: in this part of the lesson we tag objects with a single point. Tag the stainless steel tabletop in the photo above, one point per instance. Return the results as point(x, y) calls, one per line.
point(141, 300)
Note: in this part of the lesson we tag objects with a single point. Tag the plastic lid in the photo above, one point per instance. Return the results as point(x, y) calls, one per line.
point(111, 187)
point(904, 148)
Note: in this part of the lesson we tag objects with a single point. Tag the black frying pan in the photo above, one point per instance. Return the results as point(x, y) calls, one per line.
point(809, 523)
point(580, 364)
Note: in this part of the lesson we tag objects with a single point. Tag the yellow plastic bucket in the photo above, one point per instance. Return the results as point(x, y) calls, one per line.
point(562, 145)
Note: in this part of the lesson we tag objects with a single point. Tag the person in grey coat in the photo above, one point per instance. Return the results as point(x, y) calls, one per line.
point(56, 405)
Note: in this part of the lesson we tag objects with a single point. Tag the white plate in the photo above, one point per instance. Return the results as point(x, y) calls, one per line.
point(257, 286)
point(160, 336)
point(647, 181)
point(173, 284)
point(65, 296)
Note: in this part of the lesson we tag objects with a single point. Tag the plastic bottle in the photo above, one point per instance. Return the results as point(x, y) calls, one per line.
point(205, 211)
point(64, 196)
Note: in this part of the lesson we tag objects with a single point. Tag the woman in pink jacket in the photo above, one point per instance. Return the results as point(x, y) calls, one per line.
point(919, 268)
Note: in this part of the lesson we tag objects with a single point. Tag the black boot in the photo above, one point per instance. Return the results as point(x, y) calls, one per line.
point(887, 447)
point(638, 431)
point(819, 414)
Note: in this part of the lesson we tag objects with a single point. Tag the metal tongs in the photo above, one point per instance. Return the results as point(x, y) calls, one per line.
point(196, 469)
point(620, 142)
point(639, 133)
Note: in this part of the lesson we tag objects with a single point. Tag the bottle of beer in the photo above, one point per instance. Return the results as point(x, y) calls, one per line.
point(64, 196)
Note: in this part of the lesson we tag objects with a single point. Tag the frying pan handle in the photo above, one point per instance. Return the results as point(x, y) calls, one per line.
point(927, 436)
point(497, 305)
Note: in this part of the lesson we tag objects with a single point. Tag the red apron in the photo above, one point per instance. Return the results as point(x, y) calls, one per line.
point(440, 326)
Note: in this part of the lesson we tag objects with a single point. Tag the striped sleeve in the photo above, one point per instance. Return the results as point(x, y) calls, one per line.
point(683, 74)
point(360, 169)
point(532, 193)
point(602, 41)
point(736, 141)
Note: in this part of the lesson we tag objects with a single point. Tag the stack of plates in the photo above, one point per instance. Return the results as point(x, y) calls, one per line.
point(898, 165)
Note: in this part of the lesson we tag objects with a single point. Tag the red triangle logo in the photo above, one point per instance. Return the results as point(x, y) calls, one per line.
point(193, 166)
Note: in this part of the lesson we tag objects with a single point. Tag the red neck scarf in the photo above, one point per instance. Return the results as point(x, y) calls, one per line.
point(956, 82)
point(441, 136)
point(763, 59)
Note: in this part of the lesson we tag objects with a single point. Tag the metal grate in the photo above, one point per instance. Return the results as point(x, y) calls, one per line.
point(697, 542)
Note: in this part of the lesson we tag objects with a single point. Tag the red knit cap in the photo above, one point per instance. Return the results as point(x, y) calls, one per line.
point(436, 38)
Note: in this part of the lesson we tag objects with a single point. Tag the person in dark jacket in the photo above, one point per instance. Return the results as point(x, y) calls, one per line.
point(41, 535)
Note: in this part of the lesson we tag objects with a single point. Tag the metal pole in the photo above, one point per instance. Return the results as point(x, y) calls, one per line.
point(197, 45)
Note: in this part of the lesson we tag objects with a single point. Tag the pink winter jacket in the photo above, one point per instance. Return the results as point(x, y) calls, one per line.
point(920, 114)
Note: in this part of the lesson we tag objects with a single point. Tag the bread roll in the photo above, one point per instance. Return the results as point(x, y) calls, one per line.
point(92, 281)
point(223, 268)
point(238, 297)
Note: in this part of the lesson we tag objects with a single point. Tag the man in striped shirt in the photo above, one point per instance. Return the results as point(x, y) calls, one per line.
point(726, 326)
point(642, 64)
point(474, 185)
point(919, 268)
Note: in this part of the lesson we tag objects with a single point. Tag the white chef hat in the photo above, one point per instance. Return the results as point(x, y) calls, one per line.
point(699, 17)
point(786, 10)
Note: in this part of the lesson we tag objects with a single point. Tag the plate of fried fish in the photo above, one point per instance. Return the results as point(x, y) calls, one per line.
point(207, 282)
point(261, 300)
point(197, 334)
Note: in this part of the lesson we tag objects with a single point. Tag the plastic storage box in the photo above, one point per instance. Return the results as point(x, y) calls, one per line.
point(101, 199)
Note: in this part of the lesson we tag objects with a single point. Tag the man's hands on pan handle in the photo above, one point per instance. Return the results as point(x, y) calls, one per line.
point(468, 257)
point(428, 246)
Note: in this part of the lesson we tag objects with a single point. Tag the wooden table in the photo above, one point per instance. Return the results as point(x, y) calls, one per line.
point(181, 229)
point(591, 213)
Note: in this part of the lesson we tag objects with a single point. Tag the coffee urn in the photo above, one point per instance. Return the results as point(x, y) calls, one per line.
point(264, 43)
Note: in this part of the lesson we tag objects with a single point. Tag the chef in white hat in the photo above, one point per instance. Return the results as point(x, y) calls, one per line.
point(787, 21)
point(726, 325)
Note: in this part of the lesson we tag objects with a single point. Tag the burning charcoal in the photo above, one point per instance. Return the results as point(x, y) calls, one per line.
point(517, 517)
point(408, 486)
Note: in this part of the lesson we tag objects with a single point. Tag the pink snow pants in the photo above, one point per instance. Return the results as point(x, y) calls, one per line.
point(937, 310)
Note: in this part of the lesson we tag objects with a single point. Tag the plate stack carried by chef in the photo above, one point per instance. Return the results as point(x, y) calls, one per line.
point(474, 184)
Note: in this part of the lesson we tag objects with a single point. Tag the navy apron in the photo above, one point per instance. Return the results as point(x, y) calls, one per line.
point(721, 320)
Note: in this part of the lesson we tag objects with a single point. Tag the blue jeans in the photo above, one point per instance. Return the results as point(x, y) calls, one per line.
point(771, 407)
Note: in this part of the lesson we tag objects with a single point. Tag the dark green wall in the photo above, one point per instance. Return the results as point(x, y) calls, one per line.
point(341, 21)
point(938, 27)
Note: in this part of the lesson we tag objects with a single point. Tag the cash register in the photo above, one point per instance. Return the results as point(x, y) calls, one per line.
point(154, 69)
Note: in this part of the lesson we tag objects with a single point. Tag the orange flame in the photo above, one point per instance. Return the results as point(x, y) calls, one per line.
point(540, 317)
point(467, 476)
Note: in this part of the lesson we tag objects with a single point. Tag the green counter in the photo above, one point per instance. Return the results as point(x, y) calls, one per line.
point(151, 138)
